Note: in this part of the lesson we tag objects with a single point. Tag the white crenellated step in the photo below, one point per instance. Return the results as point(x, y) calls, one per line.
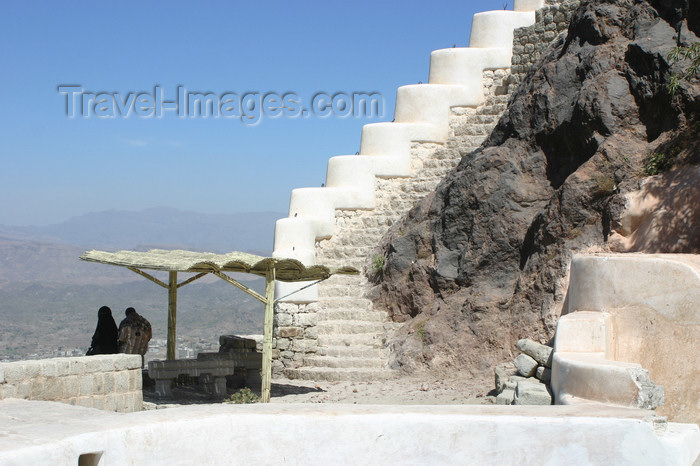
point(528, 5)
point(425, 103)
point(388, 145)
point(495, 28)
point(464, 67)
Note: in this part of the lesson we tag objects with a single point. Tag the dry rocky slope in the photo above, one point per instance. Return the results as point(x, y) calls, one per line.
point(482, 261)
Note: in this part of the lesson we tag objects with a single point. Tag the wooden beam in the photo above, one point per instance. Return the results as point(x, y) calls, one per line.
point(302, 288)
point(267, 334)
point(191, 279)
point(150, 277)
point(172, 316)
point(240, 286)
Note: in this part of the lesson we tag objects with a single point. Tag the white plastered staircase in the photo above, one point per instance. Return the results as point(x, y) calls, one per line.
point(349, 332)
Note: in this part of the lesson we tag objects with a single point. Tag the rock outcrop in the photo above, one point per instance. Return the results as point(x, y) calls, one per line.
point(482, 262)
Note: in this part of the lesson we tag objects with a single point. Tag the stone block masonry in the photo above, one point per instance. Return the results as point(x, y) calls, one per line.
point(109, 382)
point(529, 42)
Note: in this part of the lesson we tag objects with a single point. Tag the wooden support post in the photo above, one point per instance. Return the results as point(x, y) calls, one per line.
point(172, 316)
point(267, 335)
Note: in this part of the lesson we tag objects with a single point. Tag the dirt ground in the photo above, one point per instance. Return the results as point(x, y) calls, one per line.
point(415, 389)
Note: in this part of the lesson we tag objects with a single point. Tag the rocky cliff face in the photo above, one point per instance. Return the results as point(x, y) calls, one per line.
point(483, 261)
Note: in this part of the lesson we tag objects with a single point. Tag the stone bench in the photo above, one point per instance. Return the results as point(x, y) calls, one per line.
point(238, 343)
point(211, 368)
point(250, 363)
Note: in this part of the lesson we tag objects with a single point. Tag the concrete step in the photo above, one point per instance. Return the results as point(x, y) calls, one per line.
point(325, 292)
point(344, 363)
point(347, 302)
point(343, 290)
point(353, 315)
point(340, 340)
point(333, 374)
point(351, 327)
point(356, 351)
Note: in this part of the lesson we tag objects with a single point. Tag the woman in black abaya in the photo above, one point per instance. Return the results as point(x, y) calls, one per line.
point(104, 341)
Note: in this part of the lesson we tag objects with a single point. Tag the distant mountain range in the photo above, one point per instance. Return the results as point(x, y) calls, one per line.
point(158, 227)
point(50, 254)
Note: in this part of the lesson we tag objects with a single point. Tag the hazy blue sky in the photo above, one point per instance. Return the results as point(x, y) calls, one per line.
point(53, 167)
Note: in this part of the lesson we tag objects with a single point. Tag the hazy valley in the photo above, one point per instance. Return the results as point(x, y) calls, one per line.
point(49, 298)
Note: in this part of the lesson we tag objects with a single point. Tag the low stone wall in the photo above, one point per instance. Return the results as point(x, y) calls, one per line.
point(109, 382)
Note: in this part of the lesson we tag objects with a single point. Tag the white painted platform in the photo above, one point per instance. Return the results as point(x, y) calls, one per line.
point(631, 319)
point(38, 432)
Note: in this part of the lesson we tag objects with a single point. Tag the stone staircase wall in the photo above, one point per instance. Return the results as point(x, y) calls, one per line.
point(341, 335)
point(330, 331)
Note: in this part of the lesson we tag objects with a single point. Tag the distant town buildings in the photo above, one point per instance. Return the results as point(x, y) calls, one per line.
point(186, 348)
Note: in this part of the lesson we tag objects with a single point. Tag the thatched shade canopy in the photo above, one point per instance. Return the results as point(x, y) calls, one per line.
point(286, 270)
point(203, 263)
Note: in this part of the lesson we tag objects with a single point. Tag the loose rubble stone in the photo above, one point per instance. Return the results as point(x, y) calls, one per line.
point(505, 397)
point(530, 393)
point(544, 374)
point(650, 396)
point(502, 372)
point(539, 352)
point(526, 365)
point(517, 378)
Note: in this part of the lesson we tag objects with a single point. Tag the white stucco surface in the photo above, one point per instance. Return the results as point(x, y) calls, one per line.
point(463, 67)
point(667, 283)
point(590, 376)
point(527, 5)
point(495, 28)
point(50, 433)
